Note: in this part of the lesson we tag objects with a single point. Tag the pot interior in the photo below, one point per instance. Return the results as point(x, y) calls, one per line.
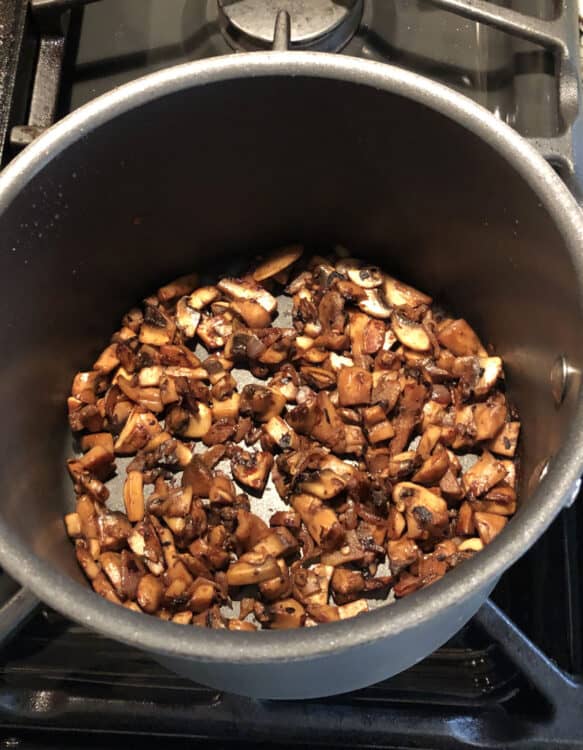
point(204, 177)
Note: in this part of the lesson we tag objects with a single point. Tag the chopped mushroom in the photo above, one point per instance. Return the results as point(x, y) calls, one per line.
point(489, 525)
point(459, 338)
point(247, 289)
point(483, 475)
point(368, 397)
point(354, 386)
point(505, 441)
point(321, 521)
point(251, 469)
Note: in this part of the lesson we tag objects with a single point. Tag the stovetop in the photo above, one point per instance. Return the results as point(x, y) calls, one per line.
point(512, 677)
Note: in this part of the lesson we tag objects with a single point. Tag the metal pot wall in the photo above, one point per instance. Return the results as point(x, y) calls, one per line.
point(202, 164)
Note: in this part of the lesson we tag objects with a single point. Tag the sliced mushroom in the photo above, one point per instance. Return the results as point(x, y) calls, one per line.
point(374, 304)
point(410, 333)
point(460, 339)
point(247, 289)
point(187, 318)
point(471, 545)
point(178, 287)
point(399, 294)
point(227, 408)
point(133, 495)
point(368, 277)
point(402, 553)
point(380, 432)
point(385, 389)
point(144, 542)
point(149, 593)
point(277, 262)
point(202, 297)
point(107, 360)
point(192, 424)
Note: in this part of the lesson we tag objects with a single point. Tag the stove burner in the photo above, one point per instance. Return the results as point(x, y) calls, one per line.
point(323, 25)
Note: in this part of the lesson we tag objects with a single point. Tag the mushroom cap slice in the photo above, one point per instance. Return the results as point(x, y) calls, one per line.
point(277, 261)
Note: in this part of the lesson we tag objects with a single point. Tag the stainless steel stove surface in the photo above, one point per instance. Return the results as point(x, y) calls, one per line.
point(512, 677)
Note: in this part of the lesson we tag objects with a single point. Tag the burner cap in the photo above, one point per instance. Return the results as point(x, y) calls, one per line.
point(324, 25)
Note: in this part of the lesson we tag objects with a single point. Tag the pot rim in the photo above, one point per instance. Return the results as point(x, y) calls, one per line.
point(80, 603)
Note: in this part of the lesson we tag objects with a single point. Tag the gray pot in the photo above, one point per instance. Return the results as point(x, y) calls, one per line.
point(199, 164)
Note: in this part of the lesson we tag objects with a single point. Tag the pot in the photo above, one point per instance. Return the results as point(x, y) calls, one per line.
point(199, 166)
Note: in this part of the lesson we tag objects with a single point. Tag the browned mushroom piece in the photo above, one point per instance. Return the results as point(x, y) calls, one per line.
point(426, 513)
point(285, 614)
point(281, 434)
point(410, 333)
point(252, 567)
point(490, 416)
point(140, 427)
point(321, 521)
point(505, 441)
point(144, 542)
point(279, 542)
point(251, 469)
point(279, 587)
point(460, 338)
point(261, 403)
point(222, 490)
point(114, 530)
point(214, 330)
point(198, 476)
point(235, 624)
point(328, 427)
point(310, 586)
point(178, 287)
point(354, 386)
point(374, 304)
point(133, 495)
point(433, 468)
point(277, 261)
point(489, 525)
point(346, 611)
point(483, 475)
point(323, 483)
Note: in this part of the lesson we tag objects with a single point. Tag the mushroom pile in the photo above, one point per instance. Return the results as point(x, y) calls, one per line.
point(381, 422)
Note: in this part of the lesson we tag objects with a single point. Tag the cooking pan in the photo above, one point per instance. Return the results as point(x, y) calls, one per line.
point(197, 168)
